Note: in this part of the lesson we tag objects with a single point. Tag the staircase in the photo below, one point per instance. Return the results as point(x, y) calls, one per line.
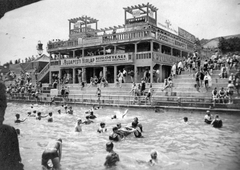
point(44, 73)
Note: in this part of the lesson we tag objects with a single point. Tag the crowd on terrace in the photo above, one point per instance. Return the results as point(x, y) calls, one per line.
point(23, 86)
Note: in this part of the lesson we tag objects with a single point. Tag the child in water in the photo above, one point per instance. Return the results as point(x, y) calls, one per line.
point(39, 116)
point(70, 111)
point(78, 127)
point(102, 128)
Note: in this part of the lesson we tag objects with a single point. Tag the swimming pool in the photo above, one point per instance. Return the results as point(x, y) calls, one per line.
point(180, 146)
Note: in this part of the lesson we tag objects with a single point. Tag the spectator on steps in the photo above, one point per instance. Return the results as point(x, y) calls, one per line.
point(230, 91)
point(215, 96)
point(168, 85)
point(222, 95)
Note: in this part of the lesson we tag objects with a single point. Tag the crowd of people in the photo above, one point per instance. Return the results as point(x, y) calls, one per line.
point(53, 151)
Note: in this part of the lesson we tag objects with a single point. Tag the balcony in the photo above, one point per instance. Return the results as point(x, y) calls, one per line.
point(103, 39)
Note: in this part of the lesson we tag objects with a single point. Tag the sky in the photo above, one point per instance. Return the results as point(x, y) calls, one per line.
point(22, 28)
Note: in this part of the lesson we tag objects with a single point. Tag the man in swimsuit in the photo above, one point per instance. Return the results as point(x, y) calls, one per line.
point(88, 121)
point(52, 152)
point(112, 158)
point(138, 124)
point(91, 116)
point(10, 158)
point(115, 136)
point(18, 119)
point(40, 116)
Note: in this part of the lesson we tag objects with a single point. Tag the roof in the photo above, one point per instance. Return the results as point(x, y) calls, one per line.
point(42, 58)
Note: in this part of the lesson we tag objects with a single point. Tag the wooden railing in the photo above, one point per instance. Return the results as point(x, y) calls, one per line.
point(43, 72)
point(143, 55)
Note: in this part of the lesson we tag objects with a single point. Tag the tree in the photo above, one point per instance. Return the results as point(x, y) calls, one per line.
point(10, 62)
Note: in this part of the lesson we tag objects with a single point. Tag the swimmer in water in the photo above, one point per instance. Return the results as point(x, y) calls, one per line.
point(18, 119)
point(135, 120)
point(50, 119)
point(154, 159)
point(115, 136)
point(70, 111)
point(185, 119)
point(217, 122)
point(91, 116)
point(208, 117)
point(102, 128)
point(122, 116)
point(59, 111)
point(78, 127)
point(137, 132)
point(112, 158)
point(39, 116)
point(52, 152)
point(88, 121)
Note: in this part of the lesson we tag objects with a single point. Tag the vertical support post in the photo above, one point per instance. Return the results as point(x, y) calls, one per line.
point(74, 55)
point(84, 74)
point(74, 75)
point(160, 73)
point(115, 49)
point(104, 50)
point(50, 77)
point(151, 71)
point(104, 71)
point(115, 73)
point(135, 67)
point(82, 52)
point(151, 46)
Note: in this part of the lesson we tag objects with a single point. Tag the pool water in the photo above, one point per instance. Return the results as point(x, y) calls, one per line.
point(195, 145)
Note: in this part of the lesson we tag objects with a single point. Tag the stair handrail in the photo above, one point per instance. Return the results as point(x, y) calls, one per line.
point(43, 71)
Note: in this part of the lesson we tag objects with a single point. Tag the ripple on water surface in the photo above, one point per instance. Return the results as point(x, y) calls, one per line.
point(180, 146)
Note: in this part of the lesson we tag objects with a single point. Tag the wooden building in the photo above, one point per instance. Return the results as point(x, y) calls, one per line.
point(140, 45)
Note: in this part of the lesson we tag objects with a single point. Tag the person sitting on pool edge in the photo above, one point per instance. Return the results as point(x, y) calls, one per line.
point(50, 119)
point(40, 116)
point(18, 119)
point(217, 122)
point(102, 128)
point(115, 136)
point(10, 158)
point(52, 152)
point(112, 158)
point(78, 127)
point(208, 117)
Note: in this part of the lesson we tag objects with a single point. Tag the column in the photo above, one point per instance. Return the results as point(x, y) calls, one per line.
point(84, 75)
point(74, 55)
point(104, 50)
point(171, 51)
point(151, 71)
point(160, 48)
point(151, 46)
point(74, 75)
point(50, 77)
point(160, 73)
point(135, 67)
point(104, 71)
point(115, 73)
point(60, 74)
point(135, 73)
point(83, 52)
point(115, 49)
